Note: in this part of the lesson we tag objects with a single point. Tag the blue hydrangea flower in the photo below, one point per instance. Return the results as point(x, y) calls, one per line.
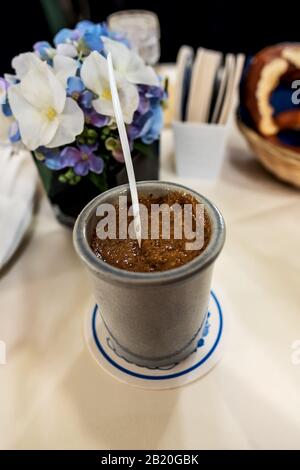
point(153, 127)
point(148, 119)
point(92, 117)
point(86, 98)
point(139, 122)
point(87, 31)
point(90, 34)
point(144, 104)
point(53, 158)
point(42, 48)
point(83, 26)
point(155, 94)
point(76, 43)
point(83, 159)
point(75, 87)
point(92, 38)
point(66, 35)
point(6, 109)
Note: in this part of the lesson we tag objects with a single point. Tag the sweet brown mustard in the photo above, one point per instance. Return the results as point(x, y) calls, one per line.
point(154, 255)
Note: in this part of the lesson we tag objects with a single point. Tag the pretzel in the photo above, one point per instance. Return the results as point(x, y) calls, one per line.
point(289, 119)
point(268, 68)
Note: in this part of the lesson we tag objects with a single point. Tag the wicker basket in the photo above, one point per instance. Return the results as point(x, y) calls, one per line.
point(282, 162)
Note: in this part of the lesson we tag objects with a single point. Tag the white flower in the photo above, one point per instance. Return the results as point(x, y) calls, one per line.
point(129, 64)
point(67, 50)
point(39, 103)
point(22, 63)
point(63, 67)
point(25, 61)
point(94, 74)
point(11, 79)
point(5, 123)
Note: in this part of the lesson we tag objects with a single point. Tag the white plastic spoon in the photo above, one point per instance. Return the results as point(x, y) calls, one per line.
point(125, 148)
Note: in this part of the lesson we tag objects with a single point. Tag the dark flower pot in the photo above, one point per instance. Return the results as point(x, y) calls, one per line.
point(68, 199)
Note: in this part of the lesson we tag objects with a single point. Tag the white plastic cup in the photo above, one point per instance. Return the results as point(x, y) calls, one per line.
point(199, 149)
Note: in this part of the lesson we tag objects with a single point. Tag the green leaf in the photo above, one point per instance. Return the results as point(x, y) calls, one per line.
point(149, 150)
point(99, 181)
point(47, 175)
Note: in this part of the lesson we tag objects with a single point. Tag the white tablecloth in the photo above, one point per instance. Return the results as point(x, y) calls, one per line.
point(52, 393)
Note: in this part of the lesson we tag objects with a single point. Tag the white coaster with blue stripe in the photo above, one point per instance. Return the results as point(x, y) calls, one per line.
point(208, 353)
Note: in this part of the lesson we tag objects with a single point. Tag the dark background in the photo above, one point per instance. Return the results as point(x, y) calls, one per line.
point(224, 25)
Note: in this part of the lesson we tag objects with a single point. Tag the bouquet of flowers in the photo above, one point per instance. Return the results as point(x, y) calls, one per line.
point(58, 105)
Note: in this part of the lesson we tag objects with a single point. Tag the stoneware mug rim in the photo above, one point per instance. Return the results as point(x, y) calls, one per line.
point(120, 276)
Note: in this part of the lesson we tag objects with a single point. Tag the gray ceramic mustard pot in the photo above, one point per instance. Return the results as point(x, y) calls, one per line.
point(154, 319)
